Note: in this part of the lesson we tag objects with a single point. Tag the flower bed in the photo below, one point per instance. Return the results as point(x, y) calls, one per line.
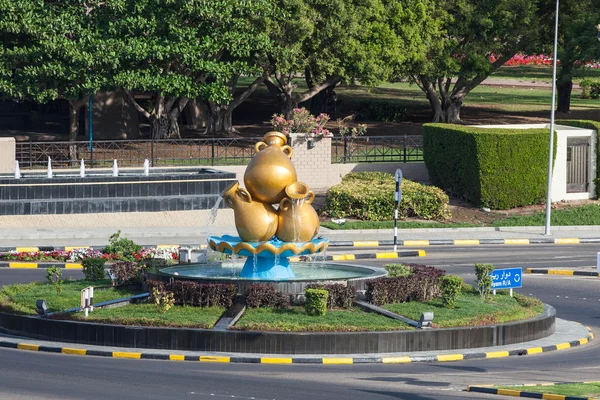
point(77, 255)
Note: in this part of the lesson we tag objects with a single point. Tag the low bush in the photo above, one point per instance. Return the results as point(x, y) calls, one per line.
point(93, 268)
point(423, 284)
point(370, 196)
point(54, 277)
point(120, 247)
point(380, 111)
point(450, 287)
point(590, 88)
point(197, 294)
point(340, 296)
point(126, 272)
point(266, 296)
point(395, 270)
point(484, 278)
point(316, 301)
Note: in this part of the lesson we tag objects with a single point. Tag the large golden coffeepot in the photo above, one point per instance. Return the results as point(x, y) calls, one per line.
point(254, 221)
point(271, 169)
point(298, 220)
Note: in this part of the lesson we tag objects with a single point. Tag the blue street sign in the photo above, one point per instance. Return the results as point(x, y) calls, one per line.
point(509, 278)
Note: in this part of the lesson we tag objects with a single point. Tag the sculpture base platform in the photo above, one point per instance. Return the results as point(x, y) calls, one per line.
point(266, 260)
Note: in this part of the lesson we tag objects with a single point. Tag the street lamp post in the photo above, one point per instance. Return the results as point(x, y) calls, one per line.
point(551, 147)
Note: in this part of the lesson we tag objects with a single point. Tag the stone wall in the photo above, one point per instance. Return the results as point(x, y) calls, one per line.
point(7, 155)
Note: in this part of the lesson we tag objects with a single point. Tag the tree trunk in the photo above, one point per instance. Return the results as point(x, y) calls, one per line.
point(452, 111)
point(162, 127)
point(74, 106)
point(219, 119)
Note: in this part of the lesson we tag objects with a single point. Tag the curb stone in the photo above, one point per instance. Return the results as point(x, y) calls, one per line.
point(203, 358)
point(523, 393)
point(561, 272)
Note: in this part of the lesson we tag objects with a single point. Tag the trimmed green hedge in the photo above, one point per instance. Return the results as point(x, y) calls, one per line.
point(495, 168)
point(370, 196)
point(595, 125)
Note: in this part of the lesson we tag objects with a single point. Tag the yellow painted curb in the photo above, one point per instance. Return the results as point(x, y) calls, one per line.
point(509, 392)
point(372, 243)
point(386, 255)
point(275, 360)
point(528, 270)
point(416, 243)
point(27, 249)
point(496, 354)
point(450, 357)
point(337, 361)
point(466, 242)
point(421, 253)
point(167, 246)
point(214, 359)
point(22, 265)
point(516, 241)
point(125, 354)
point(67, 350)
point(342, 257)
point(71, 248)
point(551, 396)
point(559, 272)
point(26, 346)
point(583, 341)
point(73, 266)
point(534, 350)
point(566, 241)
point(562, 346)
point(395, 360)
point(176, 357)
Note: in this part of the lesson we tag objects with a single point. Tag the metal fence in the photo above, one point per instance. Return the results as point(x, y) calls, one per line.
point(203, 152)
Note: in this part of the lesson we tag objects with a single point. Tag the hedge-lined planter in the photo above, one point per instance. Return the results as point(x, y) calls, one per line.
point(281, 343)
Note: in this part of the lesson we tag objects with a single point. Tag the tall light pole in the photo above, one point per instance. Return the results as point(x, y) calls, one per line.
point(551, 147)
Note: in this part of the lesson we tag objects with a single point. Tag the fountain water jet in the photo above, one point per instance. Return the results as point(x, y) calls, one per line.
point(49, 168)
point(82, 169)
point(17, 170)
point(115, 168)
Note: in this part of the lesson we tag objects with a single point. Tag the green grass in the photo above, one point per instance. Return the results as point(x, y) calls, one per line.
point(590, 389)
point(470, 310)
point(588, 214)
point(540, 73)
point(296, 320)
point(146, 314)
point(353, 225)
point(21, 298)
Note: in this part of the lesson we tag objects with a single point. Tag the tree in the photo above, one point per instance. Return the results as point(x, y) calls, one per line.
point(578, 32)
point(44, 61)
point(473, 39)
point(334, 41)
point(180, 50)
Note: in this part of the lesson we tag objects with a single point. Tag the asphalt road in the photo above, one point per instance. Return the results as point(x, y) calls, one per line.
point(25, 375)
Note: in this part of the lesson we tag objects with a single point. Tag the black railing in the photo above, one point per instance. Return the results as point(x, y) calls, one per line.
point(203, 152)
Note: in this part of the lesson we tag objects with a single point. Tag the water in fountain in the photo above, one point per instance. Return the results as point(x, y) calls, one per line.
point(17, 170)
point(146, 167)
point(213, 211)
point(82, 169)
point(115, 168)
point(49, 168)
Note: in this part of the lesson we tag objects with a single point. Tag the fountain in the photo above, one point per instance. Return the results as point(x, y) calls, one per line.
point(82, 169)
point(49, 168)
point(275, 220)
point(146, 167)
point(17, 170)
point(115, 169)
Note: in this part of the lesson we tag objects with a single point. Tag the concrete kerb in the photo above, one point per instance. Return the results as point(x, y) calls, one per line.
point(563, 272)
point(489, 389)
point(530, 348)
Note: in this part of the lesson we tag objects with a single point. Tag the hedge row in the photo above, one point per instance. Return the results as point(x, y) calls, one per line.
point(341, 296)
point(595, 125)
point(489, 167)
point(197, 294)
point(422, 285)
point(266, 296)
point(370, 196)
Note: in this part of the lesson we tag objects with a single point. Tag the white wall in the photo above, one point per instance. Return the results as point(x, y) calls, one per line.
point(7, 155)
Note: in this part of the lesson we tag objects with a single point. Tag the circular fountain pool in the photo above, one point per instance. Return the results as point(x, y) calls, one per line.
point(306, 273)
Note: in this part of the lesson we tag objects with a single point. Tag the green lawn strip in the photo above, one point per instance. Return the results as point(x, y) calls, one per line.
point(591, 389)
point(352, 225)
point(588, 214)
point(296, 320)
point(146, 314)
point(540, 73)
point(471, 310)
point(21, 298)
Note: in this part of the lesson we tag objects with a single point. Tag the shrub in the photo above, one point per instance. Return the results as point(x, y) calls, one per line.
point(196, 294)
point(590, 88)
point(122, 248)
point(395, 270)
point(484, 278)
point(93, 268)
point(450, 287)
point(527, 302)
point(497, 168)
point(380, 111)
point(163, 300)
point(402, 289)
point(316, 301)
point(341, 296)
point(266, 296)
point(124, 272)
point(370, 196)
point(54, 277)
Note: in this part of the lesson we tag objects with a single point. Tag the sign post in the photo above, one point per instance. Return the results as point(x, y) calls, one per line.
point(397, 199)
point(87, 300)
point(509, 278)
